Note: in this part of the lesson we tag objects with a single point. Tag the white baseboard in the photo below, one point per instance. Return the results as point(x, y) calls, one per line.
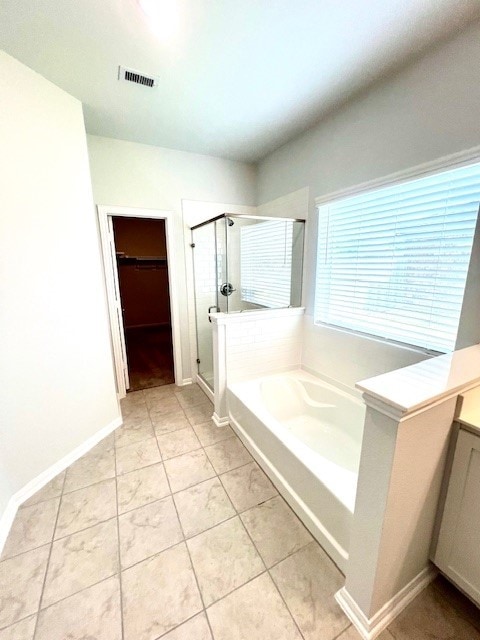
point(185, 382)
point(220, 422)
point(205, 388)
point(26, 492)
point(370, 628)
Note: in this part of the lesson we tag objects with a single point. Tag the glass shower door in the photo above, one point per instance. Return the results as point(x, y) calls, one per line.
point(206, 296)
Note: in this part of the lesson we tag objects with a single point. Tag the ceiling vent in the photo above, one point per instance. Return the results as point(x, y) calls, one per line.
point(129, 75)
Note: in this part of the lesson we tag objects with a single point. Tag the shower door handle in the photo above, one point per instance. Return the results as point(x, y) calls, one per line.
point(214, 306)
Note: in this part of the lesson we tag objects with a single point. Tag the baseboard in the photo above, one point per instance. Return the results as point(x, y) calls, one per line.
point(205, 388)
point(26, 492)
point(185, 382)
point(337, 553)
point(370, 628)
point(220, 422)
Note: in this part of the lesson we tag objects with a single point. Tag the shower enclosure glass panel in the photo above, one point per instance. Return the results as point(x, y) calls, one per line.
point(206, 295)
point(243, 263)
point(264, 263)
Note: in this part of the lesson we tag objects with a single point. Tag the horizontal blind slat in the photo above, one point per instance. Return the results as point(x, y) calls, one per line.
point(394, 261)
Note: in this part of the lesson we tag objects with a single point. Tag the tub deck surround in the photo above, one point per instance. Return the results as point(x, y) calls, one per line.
point(307, 436)
point(247, 344)
point(419, 385)
point(407, 432)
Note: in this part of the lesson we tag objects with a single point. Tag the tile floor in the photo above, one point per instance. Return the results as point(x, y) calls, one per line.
point(168, 529)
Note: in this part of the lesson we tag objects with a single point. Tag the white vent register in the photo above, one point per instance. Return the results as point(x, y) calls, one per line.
point(130, 75)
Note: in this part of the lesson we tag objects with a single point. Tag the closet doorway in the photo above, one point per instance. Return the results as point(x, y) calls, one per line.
point(137, 257)
point(141, 254)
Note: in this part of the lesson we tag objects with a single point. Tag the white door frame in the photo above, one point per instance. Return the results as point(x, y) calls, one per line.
point(116, 324)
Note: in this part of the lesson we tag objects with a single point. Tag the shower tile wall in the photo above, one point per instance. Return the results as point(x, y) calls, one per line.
point(270, 344)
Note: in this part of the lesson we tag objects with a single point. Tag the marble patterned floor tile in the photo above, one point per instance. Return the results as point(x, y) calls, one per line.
point(93, 613)
point(138, 488)
point(86, 507)
point(146, 614)
point(126, 434)
point(96, 465)
point(148, 530)
point(195, 629)
point(80, 560)
point(203, 506)
point(33, 527)
point(134, 405)
point(227, 455)
point(208, 433)
point(247, 486)
point(254, 612)
point(224, 558)
point(133, 397)
point(135, 413)
point(163, 406)
point(275, 530)
point(308, 581)
point(23, 630)
point(177, 442)
point(188, 470)
point(21, 582)
point(191, 396)
point(161, 391)
point(170, 422)
point(200, 413)
point(137, 455)
point(431, 616)
point(52, 489)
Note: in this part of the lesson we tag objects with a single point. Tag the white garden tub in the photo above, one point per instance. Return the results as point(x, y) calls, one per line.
point(307, 436)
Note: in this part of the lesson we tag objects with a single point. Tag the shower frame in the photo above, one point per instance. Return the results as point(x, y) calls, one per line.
point(210, 388)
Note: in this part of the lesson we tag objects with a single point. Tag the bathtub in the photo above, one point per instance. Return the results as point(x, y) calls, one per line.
point(307, 436)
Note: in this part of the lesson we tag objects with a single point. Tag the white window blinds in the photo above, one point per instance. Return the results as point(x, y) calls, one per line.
point(393, 262)
point(266, 263)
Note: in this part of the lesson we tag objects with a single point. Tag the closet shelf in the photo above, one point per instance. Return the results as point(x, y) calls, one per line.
point(123, 256)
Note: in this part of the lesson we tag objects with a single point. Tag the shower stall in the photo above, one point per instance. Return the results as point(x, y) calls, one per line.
point(243, 263)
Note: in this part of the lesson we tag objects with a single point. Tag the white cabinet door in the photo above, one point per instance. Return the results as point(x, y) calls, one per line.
point(458, 548)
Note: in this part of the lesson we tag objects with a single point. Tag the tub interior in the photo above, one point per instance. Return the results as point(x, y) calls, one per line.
point(326, 420)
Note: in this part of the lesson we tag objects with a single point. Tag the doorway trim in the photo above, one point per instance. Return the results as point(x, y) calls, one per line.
point(106, 212)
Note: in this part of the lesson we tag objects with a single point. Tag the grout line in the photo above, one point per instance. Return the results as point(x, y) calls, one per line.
point(189, 554)
point(199, 613)
point(73, 594)
point(267, 570)
point(342, 632)
point(119, 560)
point(47, 566)
point(285, 603)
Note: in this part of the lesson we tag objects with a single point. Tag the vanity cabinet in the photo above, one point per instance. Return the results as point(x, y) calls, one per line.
point(457, 552)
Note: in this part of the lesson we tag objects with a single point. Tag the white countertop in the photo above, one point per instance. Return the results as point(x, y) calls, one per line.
point(470, 409)
point(418, 385)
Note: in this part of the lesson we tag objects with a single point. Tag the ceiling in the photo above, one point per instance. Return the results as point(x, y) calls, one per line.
point(238, 78)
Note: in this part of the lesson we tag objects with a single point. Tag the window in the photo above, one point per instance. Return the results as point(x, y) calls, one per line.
point(393, 262)
point(266, 263)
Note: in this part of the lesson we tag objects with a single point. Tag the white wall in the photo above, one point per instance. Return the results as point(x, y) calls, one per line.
point(427, 111)
point(136, 175)
point(56, 373)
